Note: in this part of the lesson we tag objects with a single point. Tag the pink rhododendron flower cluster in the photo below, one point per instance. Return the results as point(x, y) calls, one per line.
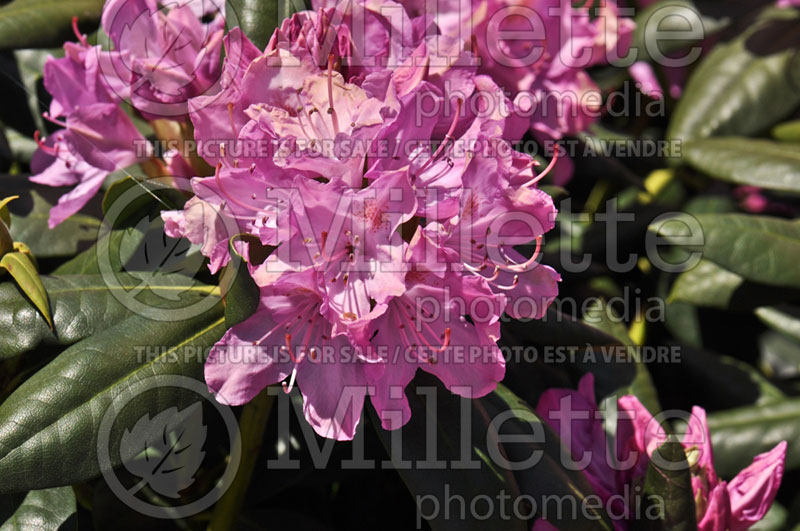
point(720, 505)
point(394, 210)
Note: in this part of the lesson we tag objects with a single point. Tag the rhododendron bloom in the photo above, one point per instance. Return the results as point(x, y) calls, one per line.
point(369, 201)
point(720, 505)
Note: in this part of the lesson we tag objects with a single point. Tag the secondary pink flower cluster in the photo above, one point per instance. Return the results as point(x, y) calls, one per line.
point(394, 210)
point(158, 61)
point(720, 506)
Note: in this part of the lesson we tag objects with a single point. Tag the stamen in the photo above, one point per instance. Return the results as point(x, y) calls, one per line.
point(81, 37)
point(288, 388)
point(288, 346)
point(475, 269)
point(512, 286)
point(447, 138)
point(521, 268)
point(421, 337)
point(49, 118)
point(331, 110)
point(47, 149)
point(547, 169)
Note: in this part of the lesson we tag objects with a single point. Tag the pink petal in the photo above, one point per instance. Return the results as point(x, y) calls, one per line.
point(753, 489)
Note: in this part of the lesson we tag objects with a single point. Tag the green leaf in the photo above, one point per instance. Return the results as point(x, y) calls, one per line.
point(82, 306)
point(742, 86)
point(51, 422)
point(6, 240)
point(762, 163)
point(672, 16)
point(257, 18)
point(759, 248)
point(780, 356)
point(149, 196)
point(243, 295)
point(5, 215)
point(784, 319)
point(740, 434)
point(481, 443)
point(29, 215)
point(119, 244)
point(43, 510)
point(44, 23)
point(787, 131)
point(19, 266)
point(668, 480)
point(707, 284)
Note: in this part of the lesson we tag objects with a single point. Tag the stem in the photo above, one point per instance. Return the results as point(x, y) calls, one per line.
point(251, 432)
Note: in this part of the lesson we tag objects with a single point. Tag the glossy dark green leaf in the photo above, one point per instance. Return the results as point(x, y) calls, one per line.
point(119, 244)
point(29, 215)
point(257, 18)
point(745, 161)
point(140, 198)
point(25, 275)
point(740, 434)
point(758, 248)
point(50, 423)
point(44, 23)
point(707, 284)
point(743, 86)
point(82, 306)
point(668, 488)
point(44, 510)
point(243, 295)
point(465, 434)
